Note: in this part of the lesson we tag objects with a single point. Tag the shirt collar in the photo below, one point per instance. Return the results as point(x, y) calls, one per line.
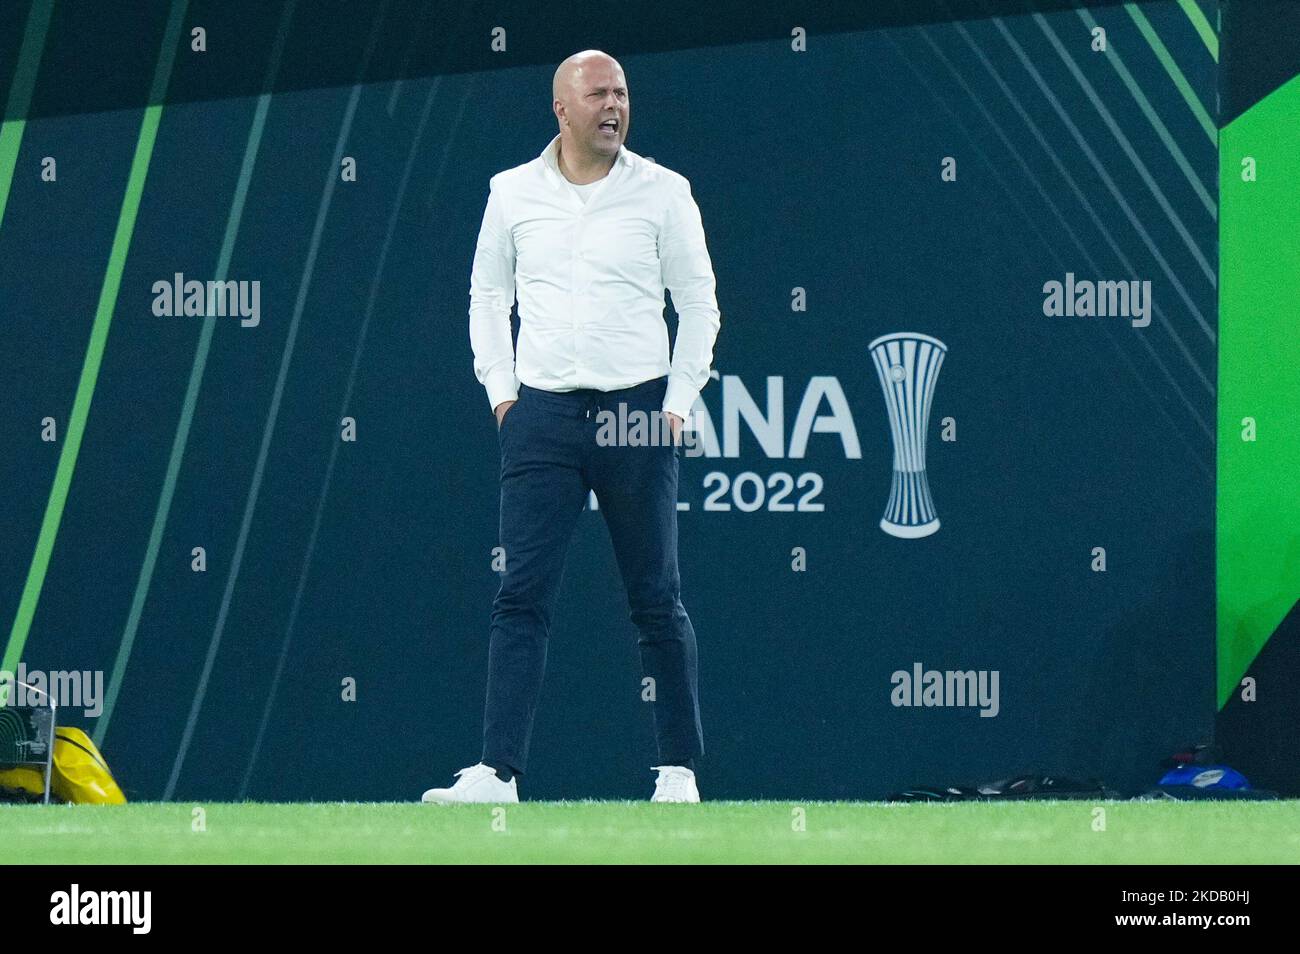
point(552, 164)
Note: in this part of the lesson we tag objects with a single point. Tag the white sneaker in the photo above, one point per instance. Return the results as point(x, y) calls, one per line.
point(476, 784)
point(675, 784)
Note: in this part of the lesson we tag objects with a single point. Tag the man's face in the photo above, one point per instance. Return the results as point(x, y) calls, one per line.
point(598, 108)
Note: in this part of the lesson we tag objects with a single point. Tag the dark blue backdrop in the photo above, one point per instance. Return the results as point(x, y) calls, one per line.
point(818, 170)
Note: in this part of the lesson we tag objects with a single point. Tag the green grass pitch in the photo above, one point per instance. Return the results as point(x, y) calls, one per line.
point(638, 832)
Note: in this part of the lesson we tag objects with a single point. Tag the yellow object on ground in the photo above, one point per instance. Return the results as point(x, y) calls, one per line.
point(80, 774)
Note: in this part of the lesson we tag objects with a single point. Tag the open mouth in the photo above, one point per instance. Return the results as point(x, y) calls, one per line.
point(610, 126)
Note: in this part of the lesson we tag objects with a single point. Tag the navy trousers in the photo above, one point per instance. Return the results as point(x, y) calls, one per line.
point(550, 458)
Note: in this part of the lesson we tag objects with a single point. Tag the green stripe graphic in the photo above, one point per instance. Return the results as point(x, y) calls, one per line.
point(1202, 25)
point(20, 95)
point(1171, 67)
point(1153, 118)
point(1258, 519)
point(181, 438)
point(95, 350)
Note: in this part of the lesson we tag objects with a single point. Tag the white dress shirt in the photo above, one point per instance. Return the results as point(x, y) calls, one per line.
point(590, 279)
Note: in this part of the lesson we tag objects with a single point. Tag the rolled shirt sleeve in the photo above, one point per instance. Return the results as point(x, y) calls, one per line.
point(491, 296)
point(688, 275)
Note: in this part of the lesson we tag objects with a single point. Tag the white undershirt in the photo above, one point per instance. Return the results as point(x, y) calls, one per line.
point(585, 191)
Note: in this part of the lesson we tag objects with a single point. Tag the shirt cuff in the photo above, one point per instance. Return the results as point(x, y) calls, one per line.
point(501, 386)
point(680, 397)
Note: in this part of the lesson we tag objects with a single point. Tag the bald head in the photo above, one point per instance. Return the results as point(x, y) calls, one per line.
point(570, 74)
point(591, 104)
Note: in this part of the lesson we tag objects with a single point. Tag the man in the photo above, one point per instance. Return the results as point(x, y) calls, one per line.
point(588, 235)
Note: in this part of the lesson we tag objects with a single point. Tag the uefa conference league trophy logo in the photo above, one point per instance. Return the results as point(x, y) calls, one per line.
point(908, 365)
